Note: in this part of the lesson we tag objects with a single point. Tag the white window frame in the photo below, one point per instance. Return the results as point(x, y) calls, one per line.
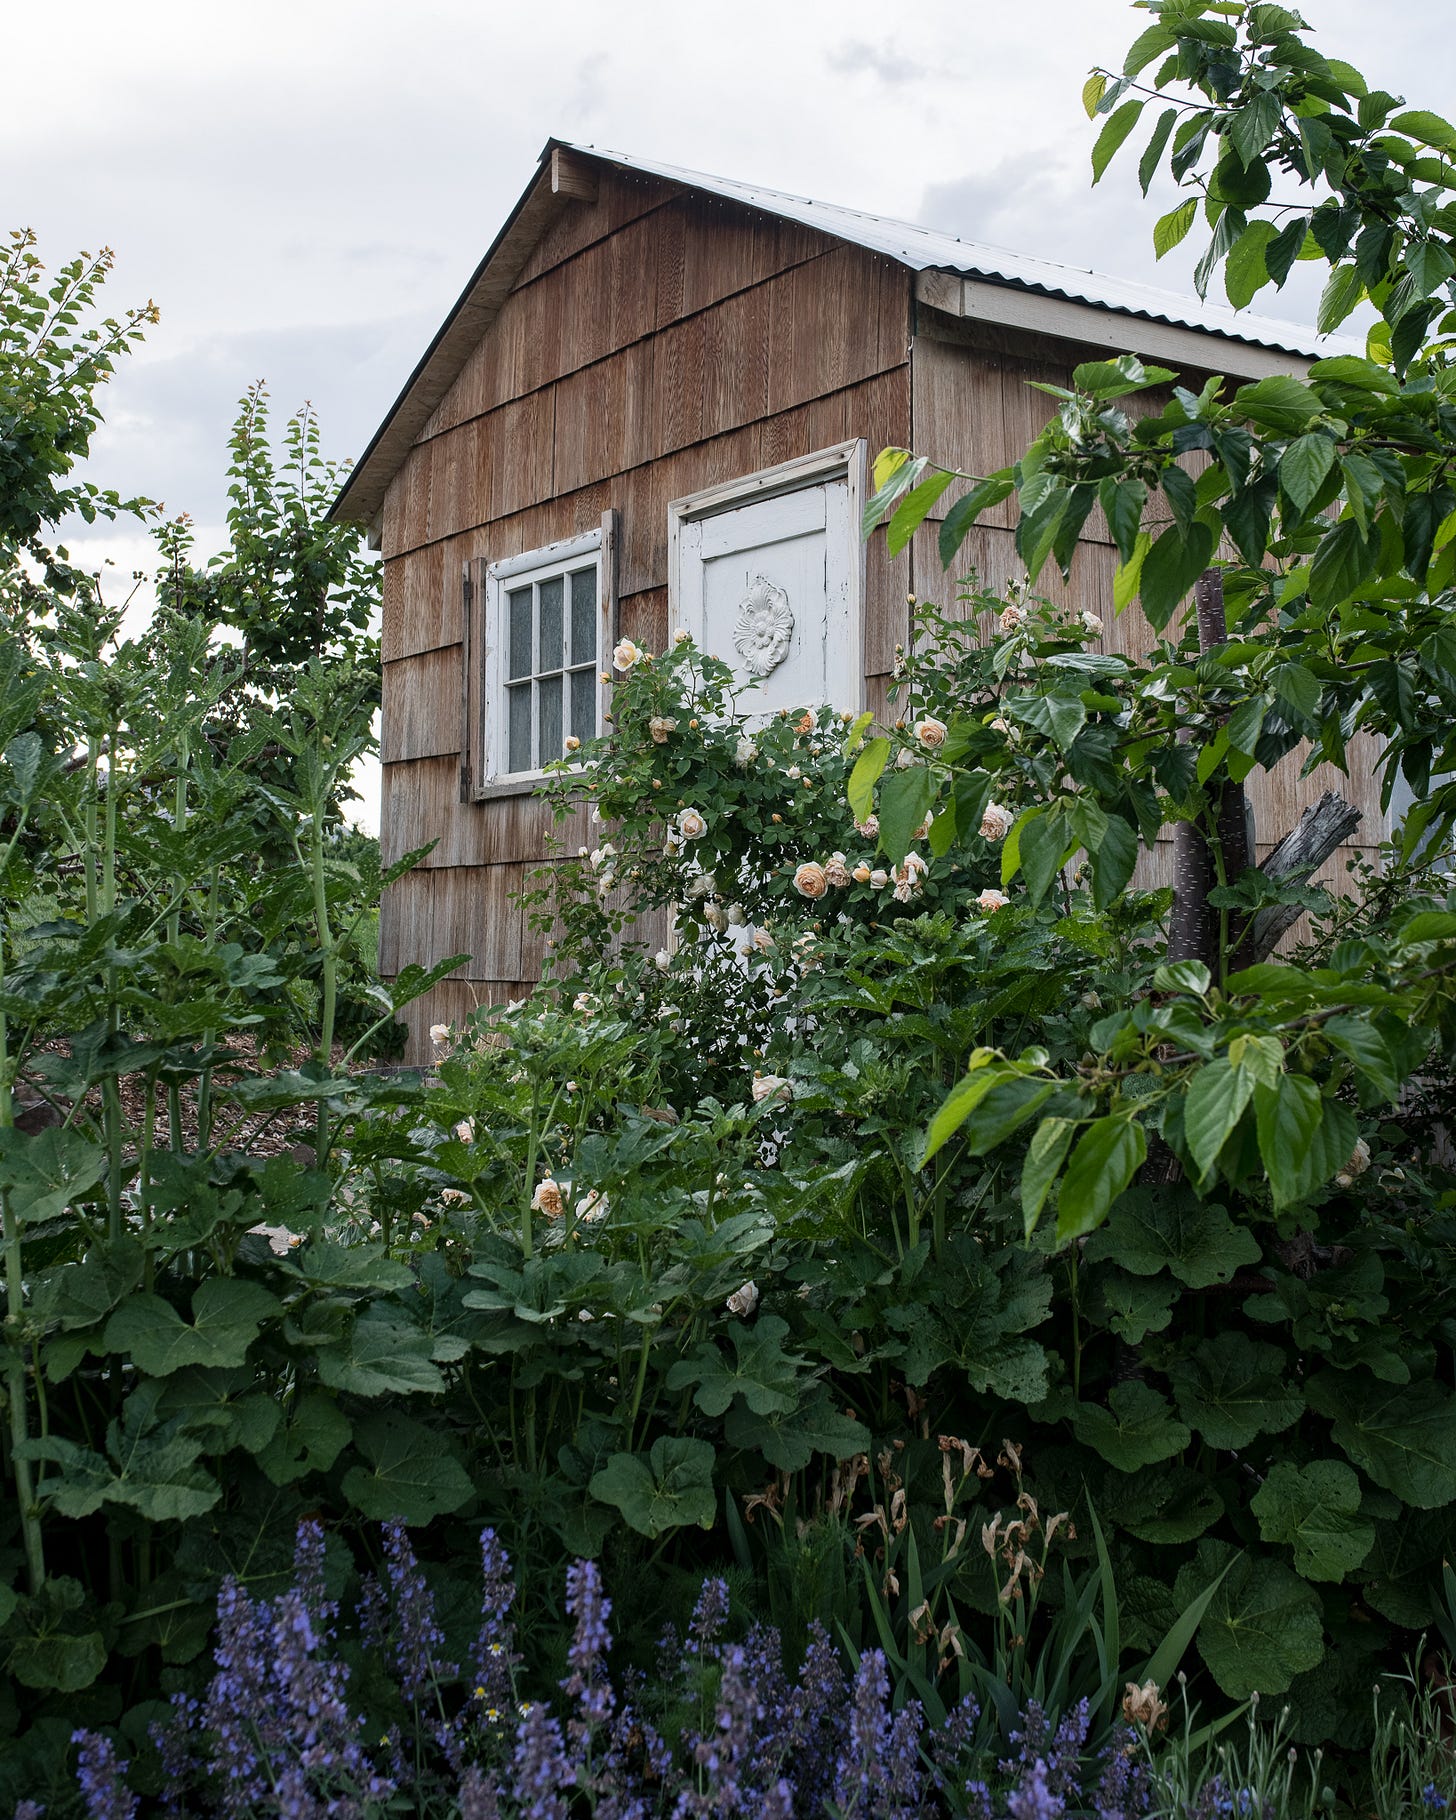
point(845, 460)
point(500, 578)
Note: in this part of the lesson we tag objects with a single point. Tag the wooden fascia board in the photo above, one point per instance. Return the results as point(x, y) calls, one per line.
point(562, 177)
point(973, 300)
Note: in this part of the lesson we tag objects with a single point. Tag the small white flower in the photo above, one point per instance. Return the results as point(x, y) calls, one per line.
point(662, 960)
point(835, 870)
point(704, 885)
point(996, 821)
point(465, 1131)
point(930, 732)
point(743, 1301)
point(660, 726)
point(691, 824)
point(606, 884)
point(593, 1207)
point(744, 753)
point(440, 1036)
point(736, 915)
point(586, 1004)
point(811, 880)
point(992, 900)
point(626, 654)
point(681, 636)
point(581, 853)
point(600, 856)
point(1093, 624)
point(923, 831)
point(1358, 1163)
point(454, 1197)
point(879, 878)
point(794, 772)
point(673, 845)
point(585, 1314)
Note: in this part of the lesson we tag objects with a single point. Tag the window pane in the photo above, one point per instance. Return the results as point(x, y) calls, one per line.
point(518, 716)
point(584, 703)
point(548, 708)
point(550, 597)
point(520, 617)
point(584, 616)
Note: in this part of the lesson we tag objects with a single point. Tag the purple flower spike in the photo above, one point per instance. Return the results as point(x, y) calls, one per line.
point(710, 1614)
point(591, 1608)
point(1033, 1798)
point(494, 1661)
point(542, 1773)
point(101, 1778)
point(418, 1637)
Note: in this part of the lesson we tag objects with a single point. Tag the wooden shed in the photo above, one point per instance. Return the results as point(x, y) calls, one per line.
point(661, 387)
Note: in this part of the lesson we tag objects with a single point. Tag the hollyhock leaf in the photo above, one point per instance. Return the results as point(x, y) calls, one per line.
point(1402, 1435)
point(1263, 1626)
point(1133, 1306)
point(227, 1313)
point(412, 1474)
point(667, 1489)
point(790, 1441)
point(311, 1440)
point(381, 1355)
point(763, 1374)
point(1196, 1240)
point(1231, 1388)
point(1164, 1504)
point(1315, 1510)
point(1136, 1428)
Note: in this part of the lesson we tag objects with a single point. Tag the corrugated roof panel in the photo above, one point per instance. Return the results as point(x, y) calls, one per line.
point(923, 249)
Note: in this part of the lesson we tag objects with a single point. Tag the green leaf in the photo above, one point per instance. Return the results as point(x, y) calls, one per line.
point(1402, 1435)
point(906, 797)
point(227, 1314)
point(983, 1073)
point(1245, 271)
point(1344, 290)
point(1281, 404)
point(1118, 126)
point(1217, 1096)
point(911, 512)
point(1191, 977)
point(767, 1378)
point(1173, 227)
point(45, 1173)
point(1108, 1155)
point(382, 1354)
point(1304, 467)
point(1263, 1626)
point(1429, 128)
point(1133, 1307)
point(1151, 1231)
point(1114, 862)
point(894, 475)
point(1170, 569)
point(1004, 1109)
point(1344, 559)
point(1042, 842)
point(310, 1441)
point(969, 507)
point(1315, 1510)
point(1363, 1044)
point(1093, 90)
point(1153, 151)
point(1231, 1388)
point(49, 1646)
point(865, 775)
point(1251, 127)
point(1123, 502)
point(1303, 1138)
point(412, 1476)
point(664, 1490)
point(1147, 46)
point(789, 1441)
point(1044, 1157)
point(1136, 1428)
point(1165, 1504)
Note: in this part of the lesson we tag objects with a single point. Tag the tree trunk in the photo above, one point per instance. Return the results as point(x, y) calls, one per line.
point(1195, 927)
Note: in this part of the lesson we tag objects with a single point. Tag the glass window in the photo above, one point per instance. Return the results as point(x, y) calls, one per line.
point(542, 657)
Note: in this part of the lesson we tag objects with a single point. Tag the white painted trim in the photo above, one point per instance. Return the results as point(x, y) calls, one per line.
point(849, 460)
point(559, 555)
point(972, 300)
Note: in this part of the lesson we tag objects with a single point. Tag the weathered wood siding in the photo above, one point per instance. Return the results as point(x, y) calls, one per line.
point(974, 408)
point(656, 342)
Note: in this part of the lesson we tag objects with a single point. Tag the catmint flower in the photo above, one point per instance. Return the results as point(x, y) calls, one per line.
point(102, 1779)
point(589, 1605)
point(493, 1661)
point(418, 1636)
point(710, 1614)
point(541, 1769)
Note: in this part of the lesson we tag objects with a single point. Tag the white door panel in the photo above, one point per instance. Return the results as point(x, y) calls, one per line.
point(772, 587)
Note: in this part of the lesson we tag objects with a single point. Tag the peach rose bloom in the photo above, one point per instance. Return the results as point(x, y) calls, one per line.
point(811, 880)
point(930, 732)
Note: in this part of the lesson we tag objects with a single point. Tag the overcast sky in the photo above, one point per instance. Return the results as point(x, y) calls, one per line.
point(304, 186)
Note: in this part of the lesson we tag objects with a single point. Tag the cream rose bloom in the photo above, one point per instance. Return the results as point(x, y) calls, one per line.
point(681, 636)
point(715, 916)
point(586, 1004)
point(626, 654)
point(869, 828)
point(548, 1199)
point(763, 940)
point(593, 1207)
point(1358, 1163)
point(1012, 617)
point(997, 821)
point(992, 900)
point(771, 1087)
point(835, 871)
point(1093, 624)
point(811, 880)
point(743, 1301)
point(930, 732)
point(744, 754)
point(440, 1036)
point(691, 824)
point(660, 727)
point(879, 878)
point(465, 1131)
point(662, 960)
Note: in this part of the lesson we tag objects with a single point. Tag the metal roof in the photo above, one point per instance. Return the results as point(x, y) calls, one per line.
point(924, 249)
